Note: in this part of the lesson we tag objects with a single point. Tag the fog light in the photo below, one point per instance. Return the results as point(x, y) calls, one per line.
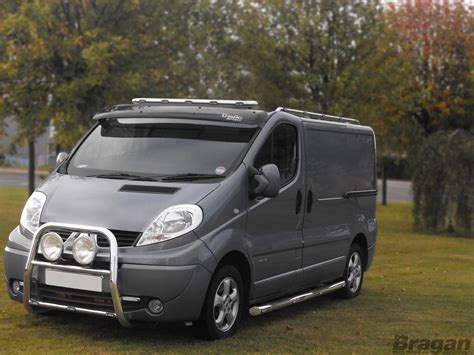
point(155, 306)
point(16, 287)
point(84, 249)
point(51, 246)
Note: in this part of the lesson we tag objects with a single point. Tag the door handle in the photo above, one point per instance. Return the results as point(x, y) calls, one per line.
point(299, 201)
point(309, 202)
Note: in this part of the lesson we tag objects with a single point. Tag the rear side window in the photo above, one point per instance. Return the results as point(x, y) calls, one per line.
point(281, 149)
point(338, 162)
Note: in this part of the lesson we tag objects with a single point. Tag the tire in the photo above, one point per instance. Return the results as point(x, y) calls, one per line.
point(353, 273)
point(223, 306)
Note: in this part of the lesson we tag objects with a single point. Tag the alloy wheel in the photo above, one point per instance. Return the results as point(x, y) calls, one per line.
point(226, 304)
point(354, 272)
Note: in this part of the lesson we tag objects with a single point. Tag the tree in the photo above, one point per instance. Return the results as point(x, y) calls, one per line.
point(308, 53)
point(61, 60)
point(444, 194)
point(26, 78)
point(435, 42)
point(96, 59)
point(107, 52)
point(436, 39)
point(196, 50)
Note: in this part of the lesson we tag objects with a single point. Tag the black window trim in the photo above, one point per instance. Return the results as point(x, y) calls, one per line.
point(298, 138)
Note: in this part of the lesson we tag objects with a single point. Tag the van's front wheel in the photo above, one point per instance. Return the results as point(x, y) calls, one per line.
point(223, 305)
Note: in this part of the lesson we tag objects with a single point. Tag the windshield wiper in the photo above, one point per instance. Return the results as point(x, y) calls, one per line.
point(124, 176)
point(191, 176)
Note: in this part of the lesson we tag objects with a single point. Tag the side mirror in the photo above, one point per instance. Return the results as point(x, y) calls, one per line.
point(266, 181)
point(61, 158)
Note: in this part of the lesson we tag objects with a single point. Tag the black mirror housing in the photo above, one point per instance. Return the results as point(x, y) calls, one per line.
point(266, 181)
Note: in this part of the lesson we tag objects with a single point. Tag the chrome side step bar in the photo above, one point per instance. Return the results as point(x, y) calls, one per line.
point(285, 302)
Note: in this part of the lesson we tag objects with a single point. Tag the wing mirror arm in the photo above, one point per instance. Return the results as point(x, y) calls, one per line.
point(261, 185)
point(252, 171)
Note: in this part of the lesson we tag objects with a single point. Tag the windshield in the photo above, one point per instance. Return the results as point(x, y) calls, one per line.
point(160, 150)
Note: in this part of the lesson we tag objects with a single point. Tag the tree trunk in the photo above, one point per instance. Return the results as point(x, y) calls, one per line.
point(384, 186)
point(450, 214)
point(31, 166)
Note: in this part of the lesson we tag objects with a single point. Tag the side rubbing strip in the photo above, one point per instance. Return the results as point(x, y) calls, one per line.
point(360, 193)
point(149, 189)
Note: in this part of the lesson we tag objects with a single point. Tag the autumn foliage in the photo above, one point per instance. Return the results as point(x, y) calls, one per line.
point(436, 44)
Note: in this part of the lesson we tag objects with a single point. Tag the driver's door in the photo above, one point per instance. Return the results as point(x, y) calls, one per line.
point(274, 224)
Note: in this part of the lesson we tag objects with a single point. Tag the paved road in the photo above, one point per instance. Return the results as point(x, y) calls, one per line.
point(18, 179)
point(396, 190)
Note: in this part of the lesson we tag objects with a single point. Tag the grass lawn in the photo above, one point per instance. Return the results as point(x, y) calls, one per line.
point(419, 285)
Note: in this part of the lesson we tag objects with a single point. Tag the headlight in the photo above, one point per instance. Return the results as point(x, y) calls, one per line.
point(30, 217)
point(84, 249)
point(51, 245)
point(171, 223)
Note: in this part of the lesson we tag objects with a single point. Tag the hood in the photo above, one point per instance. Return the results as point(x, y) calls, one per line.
point(114, 204)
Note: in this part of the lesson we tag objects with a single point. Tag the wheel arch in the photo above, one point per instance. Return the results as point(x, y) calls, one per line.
point(240, 261)
point(361, 240)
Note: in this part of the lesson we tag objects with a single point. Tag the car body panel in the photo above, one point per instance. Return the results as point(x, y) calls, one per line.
point(99, 202)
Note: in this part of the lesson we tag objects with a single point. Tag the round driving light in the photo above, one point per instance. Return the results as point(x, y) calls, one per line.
point(51, 246)
point(84, 250)
point(16, 288)
point(155, 306)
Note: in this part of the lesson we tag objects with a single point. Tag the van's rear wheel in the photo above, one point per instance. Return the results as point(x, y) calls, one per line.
point(223, 305)
point(354, 273)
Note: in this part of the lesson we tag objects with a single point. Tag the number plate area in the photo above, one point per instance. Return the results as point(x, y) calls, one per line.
point(73, 280)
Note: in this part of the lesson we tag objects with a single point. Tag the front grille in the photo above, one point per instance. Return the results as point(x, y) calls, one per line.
point(68, 260)
point(124, 238)
point(99, 301)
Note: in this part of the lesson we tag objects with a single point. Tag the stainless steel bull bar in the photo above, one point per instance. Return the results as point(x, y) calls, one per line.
point(111, 273)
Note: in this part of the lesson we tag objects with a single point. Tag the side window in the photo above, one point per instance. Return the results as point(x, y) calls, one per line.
point(281, 149)
point(338, 162)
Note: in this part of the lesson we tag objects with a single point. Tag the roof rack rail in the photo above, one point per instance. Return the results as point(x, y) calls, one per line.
point(243, 103)
point(318, 116)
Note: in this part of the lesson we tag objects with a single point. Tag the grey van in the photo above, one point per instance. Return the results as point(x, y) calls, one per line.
point(196, 211)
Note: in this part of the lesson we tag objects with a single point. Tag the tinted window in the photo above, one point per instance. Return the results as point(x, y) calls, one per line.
point(339, 162)
point(160, 149)
point(280, 149)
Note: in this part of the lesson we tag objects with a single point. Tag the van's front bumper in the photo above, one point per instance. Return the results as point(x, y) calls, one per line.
point(181, 288)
